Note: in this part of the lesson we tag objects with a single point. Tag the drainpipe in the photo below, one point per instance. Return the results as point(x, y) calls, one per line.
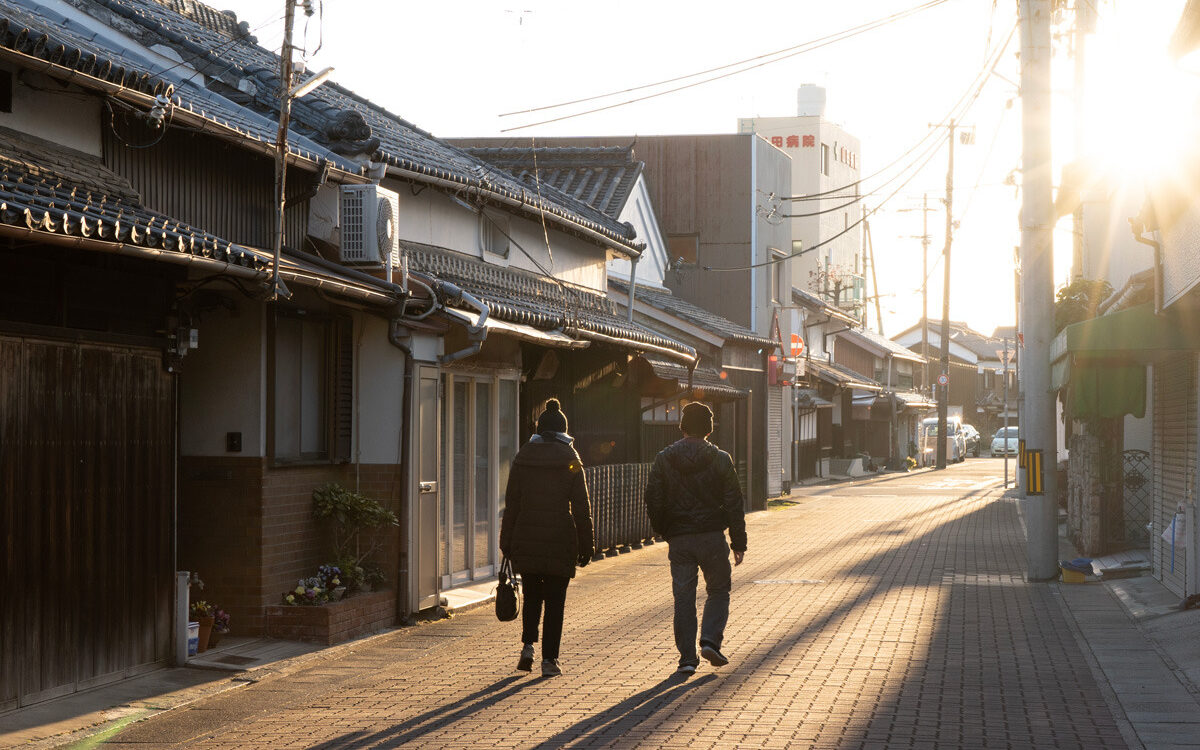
point(1158, 270)
point(409, 430)
point(633, 283)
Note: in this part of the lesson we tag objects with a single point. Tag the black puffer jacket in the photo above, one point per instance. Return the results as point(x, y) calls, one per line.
point(547, 518)
point(693, 488)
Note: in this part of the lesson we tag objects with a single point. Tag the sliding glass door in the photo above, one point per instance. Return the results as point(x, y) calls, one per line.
point(479, 433)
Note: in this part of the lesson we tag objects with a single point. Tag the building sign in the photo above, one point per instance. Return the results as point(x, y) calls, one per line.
point(840, 153)
point(797, 345)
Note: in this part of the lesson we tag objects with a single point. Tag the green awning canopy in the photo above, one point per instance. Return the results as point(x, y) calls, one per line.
point(1102, 362)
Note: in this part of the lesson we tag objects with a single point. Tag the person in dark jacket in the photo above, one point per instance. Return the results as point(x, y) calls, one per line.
point(546, 531)
point(692, 496)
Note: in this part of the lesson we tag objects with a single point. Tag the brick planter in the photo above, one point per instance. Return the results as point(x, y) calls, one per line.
point(335, 622)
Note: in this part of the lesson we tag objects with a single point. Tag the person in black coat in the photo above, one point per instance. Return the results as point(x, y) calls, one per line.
point(546, 531)
point(692, 496)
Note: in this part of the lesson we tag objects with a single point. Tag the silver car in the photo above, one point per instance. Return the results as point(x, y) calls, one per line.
point(1004, 442)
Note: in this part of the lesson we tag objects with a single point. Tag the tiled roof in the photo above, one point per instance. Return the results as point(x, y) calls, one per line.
point(249, 73)
point(601, 176)
point(35, 30)
point(521, 297)
point(813, 302)
point(703, 378)
point(695, 315)
point(48, 189)
point(832, 372)
point(884, 343)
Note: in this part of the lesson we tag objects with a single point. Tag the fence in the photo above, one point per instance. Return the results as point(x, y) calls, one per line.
point(618, 511)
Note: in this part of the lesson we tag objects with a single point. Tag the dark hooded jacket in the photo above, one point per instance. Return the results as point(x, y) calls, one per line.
point(692, 489)
point(547, 521)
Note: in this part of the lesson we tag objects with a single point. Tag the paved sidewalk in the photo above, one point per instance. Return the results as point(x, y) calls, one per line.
point(858, 621)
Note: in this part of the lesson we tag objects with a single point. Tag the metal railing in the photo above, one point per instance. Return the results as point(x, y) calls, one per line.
point(618, 511)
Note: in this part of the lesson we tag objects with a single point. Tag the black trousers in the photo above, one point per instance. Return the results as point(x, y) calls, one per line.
point(552, 591)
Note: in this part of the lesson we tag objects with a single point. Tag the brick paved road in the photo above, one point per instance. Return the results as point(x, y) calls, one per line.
point(892, 614)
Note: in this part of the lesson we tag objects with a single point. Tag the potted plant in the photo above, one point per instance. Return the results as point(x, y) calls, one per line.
point(202, 612)
point(220, 626)
point(352, 518)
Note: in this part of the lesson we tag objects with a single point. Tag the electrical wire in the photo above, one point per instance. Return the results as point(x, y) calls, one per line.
point(982, 75)
point(830, 37)
point(934, 143)
point(807, 47)
point(916, 169)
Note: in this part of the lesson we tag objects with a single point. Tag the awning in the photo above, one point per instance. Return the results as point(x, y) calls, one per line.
point(524, 332)
point(861, 403)
point(809, 398)
point(914, 401)
point(1102, 362)
point(841, 376)
point(704, 379)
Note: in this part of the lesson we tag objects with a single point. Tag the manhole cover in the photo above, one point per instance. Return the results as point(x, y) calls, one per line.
point(789, 581)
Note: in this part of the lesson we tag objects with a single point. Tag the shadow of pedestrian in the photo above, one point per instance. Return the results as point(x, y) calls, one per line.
point(616, 721)
point(437, 718)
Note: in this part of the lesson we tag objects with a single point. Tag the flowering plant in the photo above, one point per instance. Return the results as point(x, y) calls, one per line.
point(330, 575)
point(201, 609)
point(308, 591)
point(220, 620)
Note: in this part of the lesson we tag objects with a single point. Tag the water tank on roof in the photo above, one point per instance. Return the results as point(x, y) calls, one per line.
point(810, 100)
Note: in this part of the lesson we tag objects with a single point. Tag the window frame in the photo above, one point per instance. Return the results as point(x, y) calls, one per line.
point(336, 391)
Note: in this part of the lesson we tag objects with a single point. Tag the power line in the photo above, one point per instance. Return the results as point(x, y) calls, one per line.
point(790, 52)
point(977, 80)
point(916, 169)
point(824, 39)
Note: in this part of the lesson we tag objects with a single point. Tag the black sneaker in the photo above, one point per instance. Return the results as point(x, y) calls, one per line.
point(550, 668)
point(525, 663)
point(686, 669)
point(715, 657)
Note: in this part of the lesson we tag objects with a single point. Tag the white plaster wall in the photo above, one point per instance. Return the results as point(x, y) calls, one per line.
point(652, 266)
point(71, 119)
point(806, 180)
point(431, 217)
point(773, 175)
point(379, 389)
point(1139, 433)
point(222, 385)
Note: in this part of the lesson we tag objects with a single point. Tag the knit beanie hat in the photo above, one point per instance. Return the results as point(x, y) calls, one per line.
point(552, 419)
point(697, 420)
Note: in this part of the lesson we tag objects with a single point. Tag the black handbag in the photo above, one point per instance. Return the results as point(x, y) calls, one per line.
point(508, 593)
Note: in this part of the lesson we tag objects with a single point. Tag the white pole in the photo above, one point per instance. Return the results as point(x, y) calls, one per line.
point(1037, 272)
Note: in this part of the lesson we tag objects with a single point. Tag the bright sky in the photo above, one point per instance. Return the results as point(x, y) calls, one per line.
point(453, 68)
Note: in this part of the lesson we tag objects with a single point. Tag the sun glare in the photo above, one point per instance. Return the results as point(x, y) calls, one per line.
point(1140, 114)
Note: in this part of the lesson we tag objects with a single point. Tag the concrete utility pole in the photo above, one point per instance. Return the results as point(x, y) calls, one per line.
point(285, 111)
point(1037, 281)
point(944, 390)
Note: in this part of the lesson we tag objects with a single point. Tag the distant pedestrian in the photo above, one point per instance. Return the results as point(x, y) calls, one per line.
point(692, 496)
point(546, 531)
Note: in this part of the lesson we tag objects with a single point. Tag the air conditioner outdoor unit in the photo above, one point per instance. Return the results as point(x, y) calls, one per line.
point(367, 214)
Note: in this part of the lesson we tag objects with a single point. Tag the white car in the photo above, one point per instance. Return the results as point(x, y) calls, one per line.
point(956, 443)
point(1004, 442)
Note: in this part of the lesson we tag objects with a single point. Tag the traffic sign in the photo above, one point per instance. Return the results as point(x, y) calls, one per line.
point(797, 345)
point(943, 380)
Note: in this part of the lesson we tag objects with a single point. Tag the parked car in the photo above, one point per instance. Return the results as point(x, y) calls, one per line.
point(972, 438)
point(1004, 442)
point(956, 444)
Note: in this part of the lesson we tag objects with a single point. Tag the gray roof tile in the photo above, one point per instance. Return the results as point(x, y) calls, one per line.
point(695, 315)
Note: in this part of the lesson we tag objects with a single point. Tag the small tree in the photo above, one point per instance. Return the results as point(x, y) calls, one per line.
point(350, 515)
point(1079, 301)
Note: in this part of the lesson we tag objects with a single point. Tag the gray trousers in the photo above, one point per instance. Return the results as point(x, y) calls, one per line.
point(708, 553)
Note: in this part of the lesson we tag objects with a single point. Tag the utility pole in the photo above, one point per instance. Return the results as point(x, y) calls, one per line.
point(944, 390)
point(1083, 26)
point(1005, 428)
point(278, 289)
point(870, 245)
point(1037, 281)
point(925, 288)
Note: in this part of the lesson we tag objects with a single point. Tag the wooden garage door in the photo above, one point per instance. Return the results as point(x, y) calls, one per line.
point(86, 483)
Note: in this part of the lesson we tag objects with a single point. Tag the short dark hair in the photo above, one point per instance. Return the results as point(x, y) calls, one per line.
point(697, 420)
